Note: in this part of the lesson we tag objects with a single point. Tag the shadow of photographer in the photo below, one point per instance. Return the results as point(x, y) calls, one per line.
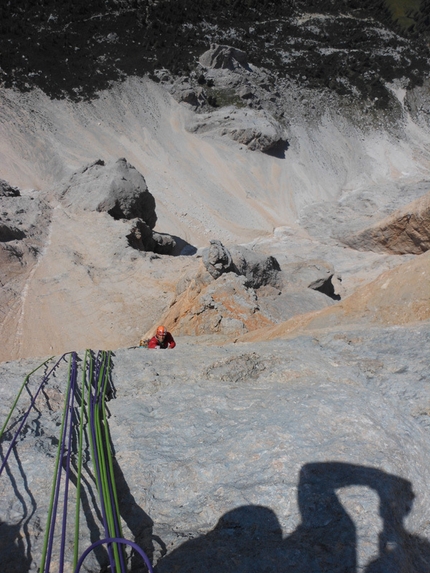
point(249, 539)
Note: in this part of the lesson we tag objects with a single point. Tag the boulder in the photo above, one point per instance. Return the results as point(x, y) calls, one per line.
point(118, 189)
point(224, 57)
point(143, 238)
point(140, 236)
point(258, 269)
point(314, 274)
point(217, 259)
point(257, 129)
point(164, 244)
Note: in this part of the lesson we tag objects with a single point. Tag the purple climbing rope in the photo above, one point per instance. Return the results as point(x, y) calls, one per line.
point(97, 381)
point(33, 401)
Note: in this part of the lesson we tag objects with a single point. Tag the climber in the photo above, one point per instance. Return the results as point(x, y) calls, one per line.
point(162, 339)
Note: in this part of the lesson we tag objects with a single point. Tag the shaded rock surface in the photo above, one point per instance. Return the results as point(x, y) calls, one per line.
point(258, 269)
point(143, 238)
point(288, 455)
point(7, 190)
point(351, 49)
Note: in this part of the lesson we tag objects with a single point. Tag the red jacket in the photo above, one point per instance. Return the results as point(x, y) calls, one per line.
point(167, 343)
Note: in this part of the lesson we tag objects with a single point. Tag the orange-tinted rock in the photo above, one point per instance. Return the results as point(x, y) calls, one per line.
point(407, 230)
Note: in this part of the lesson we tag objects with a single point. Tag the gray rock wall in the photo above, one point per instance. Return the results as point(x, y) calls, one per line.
point(301, 455)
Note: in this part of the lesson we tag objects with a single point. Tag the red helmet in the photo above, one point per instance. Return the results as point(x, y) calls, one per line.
point(161, 331)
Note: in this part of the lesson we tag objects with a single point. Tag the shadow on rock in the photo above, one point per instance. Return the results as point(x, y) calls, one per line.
point(15, 540)
point(12, 548)
point(249, 539)
point(138, 522)
point(278, 150)
point(183, 247)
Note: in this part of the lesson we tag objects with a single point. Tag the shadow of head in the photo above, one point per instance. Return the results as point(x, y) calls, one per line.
point(318, 483)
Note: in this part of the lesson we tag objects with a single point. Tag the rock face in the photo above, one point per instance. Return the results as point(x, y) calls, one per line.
point(407, 230)
point(7, 190)
point(281, 456)
point(237, 290)
point(224, 308)
point(257, 130)
point(22, 217)
point(300, 455)
point(119, 189)
point(24, 228)
point(224, 57)
point(226, 81)
point(397, 297)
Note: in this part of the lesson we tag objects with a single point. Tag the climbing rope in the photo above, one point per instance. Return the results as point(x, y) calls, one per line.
point(84, 414)
point(24, 384)
point(27, 413)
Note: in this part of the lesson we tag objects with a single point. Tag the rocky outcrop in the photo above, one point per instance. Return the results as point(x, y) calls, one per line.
point(238, 290)
point(406, 231)
point(256, 129)
point(22, 216)
point(314, 274)
point(217, 259)
point(7, 190)
point(232, 99)
point(143, 238)
point(224, 57)
point(118, 189)
point(223, 309)
point(397, 297)
point(259, 270)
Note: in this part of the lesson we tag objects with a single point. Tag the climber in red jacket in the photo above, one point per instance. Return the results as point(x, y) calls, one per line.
point(162, 339)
